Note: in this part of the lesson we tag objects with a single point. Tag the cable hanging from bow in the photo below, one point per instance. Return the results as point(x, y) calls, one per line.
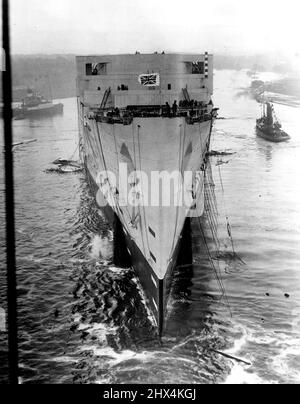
point(228, 227)
point(211, 214)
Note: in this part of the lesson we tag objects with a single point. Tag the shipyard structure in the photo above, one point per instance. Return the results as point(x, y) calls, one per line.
point(143, 116)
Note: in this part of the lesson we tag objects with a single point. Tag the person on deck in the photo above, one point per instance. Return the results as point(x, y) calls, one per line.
point(174, 108)
point(168, 109)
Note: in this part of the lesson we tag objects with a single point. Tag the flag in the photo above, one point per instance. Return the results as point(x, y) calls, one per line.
point(149, 80)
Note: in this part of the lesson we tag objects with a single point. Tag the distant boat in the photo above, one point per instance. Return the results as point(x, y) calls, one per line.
point(268, 126)
point(35, 105)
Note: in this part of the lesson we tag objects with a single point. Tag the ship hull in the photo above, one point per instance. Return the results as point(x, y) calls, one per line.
point(103, 147)
point(155, 144)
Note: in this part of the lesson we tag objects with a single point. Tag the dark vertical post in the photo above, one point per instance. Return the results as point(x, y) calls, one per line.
point(9, 202)
point(161, 307)
point(185, 255)
point(121, 257)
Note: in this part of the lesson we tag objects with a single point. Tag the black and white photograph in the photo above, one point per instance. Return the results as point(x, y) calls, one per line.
point(150, 195)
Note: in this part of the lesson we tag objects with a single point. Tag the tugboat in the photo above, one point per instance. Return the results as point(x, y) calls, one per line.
point(34, 105)
point(268, 126)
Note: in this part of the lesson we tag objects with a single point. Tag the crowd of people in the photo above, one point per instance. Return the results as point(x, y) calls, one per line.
point(185, 107)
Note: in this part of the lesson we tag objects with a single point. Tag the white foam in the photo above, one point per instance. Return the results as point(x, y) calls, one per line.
point(239, 343)
point(263, 339)
point(279, 365)
point(99, 330)
point(118, 270)
point(78, 261)
point(239, 375)
point(116, 358)
point(280, 362)
point(64, 359)
point(101, 247)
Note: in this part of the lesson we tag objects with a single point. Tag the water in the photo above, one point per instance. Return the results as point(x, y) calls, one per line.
point(83, 320)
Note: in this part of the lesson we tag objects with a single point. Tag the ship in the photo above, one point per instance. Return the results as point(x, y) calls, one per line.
point(268, 127)
point(35, 105)
point(151, 115)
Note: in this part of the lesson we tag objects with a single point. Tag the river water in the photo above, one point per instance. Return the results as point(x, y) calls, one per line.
point(83, 320)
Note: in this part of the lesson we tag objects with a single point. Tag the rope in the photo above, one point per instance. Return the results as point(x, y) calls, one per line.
point(216, 272)
point(228, 227)
point(210, 205)
point(74, 151)
point(211, 214)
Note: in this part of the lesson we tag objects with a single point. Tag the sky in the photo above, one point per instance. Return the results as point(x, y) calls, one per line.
point(124, 26)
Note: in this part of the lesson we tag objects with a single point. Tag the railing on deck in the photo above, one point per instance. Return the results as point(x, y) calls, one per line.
point(193, 114)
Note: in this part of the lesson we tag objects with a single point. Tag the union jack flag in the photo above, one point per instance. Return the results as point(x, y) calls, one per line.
point(149, 80)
